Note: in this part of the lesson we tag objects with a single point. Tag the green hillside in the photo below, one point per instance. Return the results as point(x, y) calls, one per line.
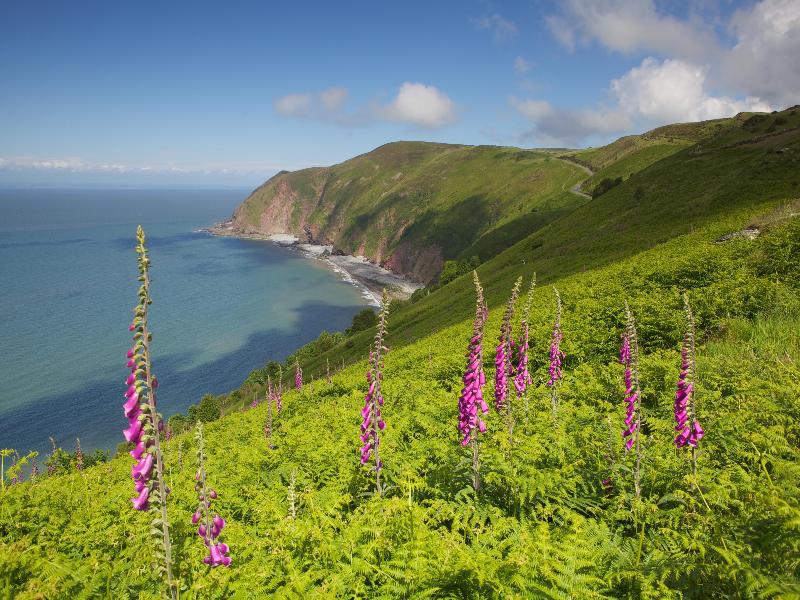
point(722, 183)
point(631, 154)
point(543, 524)
point(412, 205)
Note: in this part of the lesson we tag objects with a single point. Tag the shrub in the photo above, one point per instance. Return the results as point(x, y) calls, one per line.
point(362, 320)
point(453, 269)
point(208, 409)
point(605, 185)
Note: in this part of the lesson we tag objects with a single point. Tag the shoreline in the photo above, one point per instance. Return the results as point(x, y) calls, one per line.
point(359, 271)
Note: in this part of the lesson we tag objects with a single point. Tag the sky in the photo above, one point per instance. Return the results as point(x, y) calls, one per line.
point(228, 93)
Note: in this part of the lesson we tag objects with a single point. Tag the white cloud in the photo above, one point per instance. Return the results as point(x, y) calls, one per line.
point(294, 105)
point(765, 60)
point(563, 31)
point(762, 62)
point(502, 29)
point(521, 65)
point(422, 105)
point(652, 94)
point(333, 99)
point(674, 91)
point(327, 105)
point(79, 165)
point(532, 109)
point(559, 126)
point(631, 26)
point(415, 103)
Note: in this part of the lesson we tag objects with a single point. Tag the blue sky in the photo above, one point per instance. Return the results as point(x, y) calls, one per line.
point(218, 93)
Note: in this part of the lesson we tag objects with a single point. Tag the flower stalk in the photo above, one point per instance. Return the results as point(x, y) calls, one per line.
point(629, 357)
point(78, 455)
point(688, 428)
point(278, 390)
point(556, 356)
point(293, 495)
point(210, 527)
point(298, 375)
point(522, 377)
point(145, 423)
point(268, 426)
point(471, 398)
point(372, 422)
point(502, 361)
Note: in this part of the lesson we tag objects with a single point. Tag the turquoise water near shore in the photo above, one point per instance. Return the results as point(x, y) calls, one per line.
point(221, 308)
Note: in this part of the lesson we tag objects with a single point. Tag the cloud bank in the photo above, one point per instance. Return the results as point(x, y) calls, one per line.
point(415, 104)
point(691, 75)
point(654, 93)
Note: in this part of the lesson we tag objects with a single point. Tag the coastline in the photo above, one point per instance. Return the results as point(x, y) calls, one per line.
point(359, 271)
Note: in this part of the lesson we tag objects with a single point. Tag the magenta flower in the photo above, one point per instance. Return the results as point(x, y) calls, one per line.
point(271, 397)
point(631, 395)
point(556, 355)
point(471, 398)
point(502, 361)
point(145, 423)
point(143, 468)
point(131, 407)
point(298, 376)
point(689, 431)
point(372, 422)
point(522, 377)
point(210, 527)
point(141, 502)
point(629, 357)
point(133, 433)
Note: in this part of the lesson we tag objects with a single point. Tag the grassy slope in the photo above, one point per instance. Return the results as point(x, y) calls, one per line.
point(543, 526)
point(689, 189)
point(633, 153)
point(455, 200)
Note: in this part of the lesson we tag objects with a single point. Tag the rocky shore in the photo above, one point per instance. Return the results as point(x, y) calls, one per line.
point(358, 270)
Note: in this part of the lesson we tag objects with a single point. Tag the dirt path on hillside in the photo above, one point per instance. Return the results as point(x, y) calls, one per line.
point(576, 189)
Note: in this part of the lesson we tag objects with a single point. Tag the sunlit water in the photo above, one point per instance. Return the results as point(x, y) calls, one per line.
point(221, 308)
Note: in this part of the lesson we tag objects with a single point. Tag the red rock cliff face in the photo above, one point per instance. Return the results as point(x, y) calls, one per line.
point(277, 214)
point(283, 206)
point(419, 264)
point(280, 206)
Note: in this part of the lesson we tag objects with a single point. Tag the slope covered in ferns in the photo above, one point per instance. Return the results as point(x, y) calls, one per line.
point(543, 525)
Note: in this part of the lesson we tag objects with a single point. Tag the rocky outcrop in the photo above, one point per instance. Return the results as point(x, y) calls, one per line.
point(748, 233)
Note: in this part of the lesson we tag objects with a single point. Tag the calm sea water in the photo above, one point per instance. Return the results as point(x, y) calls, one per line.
point(221, 307)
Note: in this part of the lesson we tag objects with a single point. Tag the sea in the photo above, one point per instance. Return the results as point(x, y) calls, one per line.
point(221, 307)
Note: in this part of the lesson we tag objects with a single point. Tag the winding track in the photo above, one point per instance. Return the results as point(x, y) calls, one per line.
point(576, 189)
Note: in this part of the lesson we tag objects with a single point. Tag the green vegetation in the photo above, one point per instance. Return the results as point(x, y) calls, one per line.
point(413, 205)
point(362, 320)
point(301, 518)
point(605, 185)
